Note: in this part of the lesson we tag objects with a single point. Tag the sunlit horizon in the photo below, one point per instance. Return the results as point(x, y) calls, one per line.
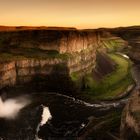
point(81, 14)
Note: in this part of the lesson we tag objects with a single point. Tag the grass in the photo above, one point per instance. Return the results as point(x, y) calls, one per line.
point(74, 76)
point(5, 57)
point(112, 85)
point(22, 53)
point(113, 45)
point(17, 52)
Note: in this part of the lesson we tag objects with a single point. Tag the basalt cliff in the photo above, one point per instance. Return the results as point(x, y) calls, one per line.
point(33, 53)
point(28, 55)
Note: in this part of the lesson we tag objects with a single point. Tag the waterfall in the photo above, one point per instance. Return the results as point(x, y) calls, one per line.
point(46, 115)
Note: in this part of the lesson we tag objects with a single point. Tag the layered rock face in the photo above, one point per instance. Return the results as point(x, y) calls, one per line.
point(23, 71)
point(132, 36)
point(63, 41)
point(79, 47)
point(134, 52)
point(130, 126)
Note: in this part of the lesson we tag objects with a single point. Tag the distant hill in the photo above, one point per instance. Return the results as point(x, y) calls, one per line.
point(12, 28)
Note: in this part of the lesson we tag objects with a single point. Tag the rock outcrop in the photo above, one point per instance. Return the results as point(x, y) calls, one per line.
point(130, 124)
point(75, 51)
point(132, 36)
point(22, 71)
point(63, 41)
point(54, 54)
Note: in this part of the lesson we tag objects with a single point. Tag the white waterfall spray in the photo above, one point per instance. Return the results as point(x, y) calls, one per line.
point(46, 115)
point(10, 108)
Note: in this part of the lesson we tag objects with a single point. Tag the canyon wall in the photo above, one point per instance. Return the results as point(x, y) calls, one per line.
point(63, 41)
point(25, 70)
point(58, 57)
point(79, 49)
point(130, 125)
point(132, 36)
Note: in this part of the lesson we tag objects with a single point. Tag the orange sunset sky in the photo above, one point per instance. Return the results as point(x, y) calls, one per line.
point(73, 13)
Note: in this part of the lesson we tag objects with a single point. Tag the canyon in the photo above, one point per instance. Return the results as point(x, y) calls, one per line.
point(46, 52)
point(86, 65)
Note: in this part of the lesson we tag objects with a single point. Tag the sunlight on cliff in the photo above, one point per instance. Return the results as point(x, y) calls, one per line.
point(10, 108)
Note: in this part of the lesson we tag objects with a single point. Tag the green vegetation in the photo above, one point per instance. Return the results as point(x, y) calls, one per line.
point(5, 57)
point(11, 51)
point(14, 52)
point(74, 76)
point(22, 53)
point(113, 45)
point(76, 79)
point(113, 84)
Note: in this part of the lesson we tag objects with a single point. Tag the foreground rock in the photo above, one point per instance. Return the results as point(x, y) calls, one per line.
point(130, 124)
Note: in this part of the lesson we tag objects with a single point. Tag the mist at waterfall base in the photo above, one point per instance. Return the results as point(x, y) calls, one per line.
point(10, 108)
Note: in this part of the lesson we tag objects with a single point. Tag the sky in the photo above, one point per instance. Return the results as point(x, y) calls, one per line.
point(70, 13)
